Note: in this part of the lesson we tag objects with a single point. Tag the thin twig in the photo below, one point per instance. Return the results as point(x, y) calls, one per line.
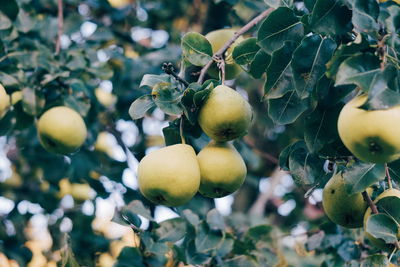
point(168, 68)
point(370, 203)
point(228, 44)
point(181, 130)
point(60, 26)
point(389, 179)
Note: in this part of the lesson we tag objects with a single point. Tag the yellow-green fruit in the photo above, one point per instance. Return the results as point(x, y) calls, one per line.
point(119, 3)
point(169, 176)
point(61, 130)
point(222, 169)
point(4, 101)
point(340, 207)
point(371, 135)
point(226, 115)
point(379, 243)
point(217, 39)
point(397, 1)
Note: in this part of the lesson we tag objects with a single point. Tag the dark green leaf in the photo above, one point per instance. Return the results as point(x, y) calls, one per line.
point(382, 226)
point(390, 206)
point(286, 109)
point(365, 15)
point(167, 98)
point(376, 260)
point(9, 8)
point(130, 256)
point(244, 52)
point(280, 26)
point(259, 65)
point(206, 239)
point(308, 63)
point(171, 230)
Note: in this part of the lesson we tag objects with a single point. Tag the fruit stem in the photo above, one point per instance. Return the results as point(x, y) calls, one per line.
point(370, 203)
point(60, 18)
point(241, 31)
point(181, 131)
point(389, 179)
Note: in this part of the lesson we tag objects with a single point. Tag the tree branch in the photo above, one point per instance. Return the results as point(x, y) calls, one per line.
point(60, 26)
point(261, 153)
point(371, 204)
point(228, 44)
point(389, 179)
point(168, 68)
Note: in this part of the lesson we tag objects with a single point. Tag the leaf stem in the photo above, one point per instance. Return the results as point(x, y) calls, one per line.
point(389, 179)
point(370, 203)
point(60, 17)
point(241, 31)
point(181, 130)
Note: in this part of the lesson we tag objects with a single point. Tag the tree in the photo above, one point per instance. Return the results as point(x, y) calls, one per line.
point(129, 68)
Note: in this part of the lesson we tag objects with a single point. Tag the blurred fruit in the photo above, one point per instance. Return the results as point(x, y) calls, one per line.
point(119, 3)
point(222, 169)
point(105, 98)
point(225, 115)
point(379, 243)
point(217, 39)
point(105, 260)
point(169, 176)
point(61, 130)
point(4, 101)
point(342, 208)
point(103, 143)
point(79, 192)
point(16, 97)
point(15, 180)
point(383, 1)
point(371, 135)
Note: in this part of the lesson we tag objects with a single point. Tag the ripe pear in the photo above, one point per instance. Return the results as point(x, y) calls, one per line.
point(371, 135)
point(225, 115)
point(377, 242)
point(4, 101)
point(222, 169)
point(119, 3)
point(169, 176)
point(340, 207)
point(61, 130)
point(217, 39)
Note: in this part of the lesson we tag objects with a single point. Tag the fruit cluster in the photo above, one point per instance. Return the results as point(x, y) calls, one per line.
point(371, 136)
point(172, 175)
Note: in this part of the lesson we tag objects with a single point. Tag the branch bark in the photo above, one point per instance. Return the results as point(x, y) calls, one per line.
point(60, 26)
point(228, 44)
point(370, 203)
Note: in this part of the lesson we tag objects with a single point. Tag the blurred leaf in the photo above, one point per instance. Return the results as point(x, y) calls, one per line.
point(382, 226)
point(215, 220)
point(365, 15)
point(196, 49)
point(278, 3)
point(206, 239)
point(348, 250)
point(308, 63)
point(32, 101)
point(129, 256)
point(137, 207)
point(140, 106)
point(9, 8)
point(280, 26)
point(150, 80)
point(360, 176)
point(376, 260)
point(171, 230)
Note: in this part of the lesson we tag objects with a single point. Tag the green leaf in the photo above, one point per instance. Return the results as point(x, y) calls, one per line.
point(196, 49)
point(382, 226)
point(206, 239)
point(8, 80)
point(172, 134)
point(260, 233)
point(319, 130)
point(259, 65)
point(9, 8)
point(140, 106)
point(328, 95)
point(279, 78)
point(32, 101)
point(365, 15)
point(25, 23)
point(167, 98)
point(343, 52)
point(359, 70)
point(280, 26)
point(305, 168)
point(360, 176)
point(150, 80)
point(376, 260)
point(390, 206)
point(215, 220)
point(308, 63)
point(171, 230)
point(286, 109)
point(244, 52)
point(126, 218)
point(330, 17)
point(285, 153)
point(278, 3)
